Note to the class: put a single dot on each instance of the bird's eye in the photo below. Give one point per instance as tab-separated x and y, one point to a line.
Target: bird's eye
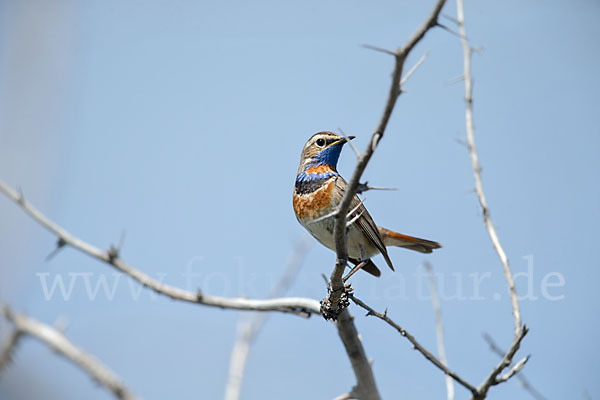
321	142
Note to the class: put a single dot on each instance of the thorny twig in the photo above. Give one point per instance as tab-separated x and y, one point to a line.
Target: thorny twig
58	342
294	305
339	233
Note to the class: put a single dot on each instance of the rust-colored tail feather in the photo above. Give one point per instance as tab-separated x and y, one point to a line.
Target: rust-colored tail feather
391	238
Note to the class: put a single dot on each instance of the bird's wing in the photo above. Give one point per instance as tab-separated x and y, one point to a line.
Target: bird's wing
364	223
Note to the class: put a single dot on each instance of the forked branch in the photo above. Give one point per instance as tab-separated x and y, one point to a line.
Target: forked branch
525	384
494	377
477	393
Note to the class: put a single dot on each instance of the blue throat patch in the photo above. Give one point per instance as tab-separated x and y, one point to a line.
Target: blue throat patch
329	156
309	182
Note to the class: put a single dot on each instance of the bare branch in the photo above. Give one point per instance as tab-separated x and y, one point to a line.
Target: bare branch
414	68
333	306
478	393
477	168
366	387
514	370
248	330
439	328
492	378
383	316
59	343
523	381
294	305
430	22
339	233
520	330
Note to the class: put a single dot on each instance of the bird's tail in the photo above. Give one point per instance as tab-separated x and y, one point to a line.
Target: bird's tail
391	238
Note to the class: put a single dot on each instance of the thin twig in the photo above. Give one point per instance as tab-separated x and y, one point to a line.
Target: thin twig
477	167
383	316
439	328
450	18
59	343
515	369
450	31
349	141
379	49
523	381
363	187
249	329
414	68
454	80
8	348
294	305
492	379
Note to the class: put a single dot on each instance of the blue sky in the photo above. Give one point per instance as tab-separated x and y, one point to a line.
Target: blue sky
181	123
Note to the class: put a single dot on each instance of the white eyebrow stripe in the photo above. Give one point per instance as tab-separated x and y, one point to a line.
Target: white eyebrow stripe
322	136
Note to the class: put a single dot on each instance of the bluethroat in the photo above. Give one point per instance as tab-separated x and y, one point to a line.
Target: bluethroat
318	191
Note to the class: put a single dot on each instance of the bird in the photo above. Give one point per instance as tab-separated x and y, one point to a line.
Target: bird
318	191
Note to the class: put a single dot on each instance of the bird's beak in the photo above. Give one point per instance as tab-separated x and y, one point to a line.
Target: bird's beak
343	140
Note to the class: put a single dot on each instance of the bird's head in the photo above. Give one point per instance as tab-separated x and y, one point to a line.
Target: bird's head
322	149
